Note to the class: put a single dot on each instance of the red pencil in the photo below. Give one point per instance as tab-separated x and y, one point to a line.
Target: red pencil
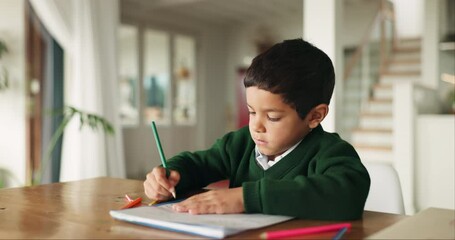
304	231
132	203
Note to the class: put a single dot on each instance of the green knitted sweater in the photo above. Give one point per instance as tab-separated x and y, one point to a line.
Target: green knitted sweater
322	178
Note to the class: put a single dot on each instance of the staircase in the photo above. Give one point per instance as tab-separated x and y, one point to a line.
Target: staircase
373	136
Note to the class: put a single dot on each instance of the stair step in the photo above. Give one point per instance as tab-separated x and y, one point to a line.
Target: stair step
373	137
376	115
409	61
390	79
383	91
411	73
406	49
375	148
406	56
410	42
376	122
380	106
373	131
374	154
407	67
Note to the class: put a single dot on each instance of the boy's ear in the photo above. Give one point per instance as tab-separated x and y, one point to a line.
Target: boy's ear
317	114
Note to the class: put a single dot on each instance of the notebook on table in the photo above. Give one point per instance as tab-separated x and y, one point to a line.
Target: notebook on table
208	225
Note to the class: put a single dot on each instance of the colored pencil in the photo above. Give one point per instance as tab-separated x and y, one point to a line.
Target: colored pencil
153	202
304	231
133	203
340	234
161	152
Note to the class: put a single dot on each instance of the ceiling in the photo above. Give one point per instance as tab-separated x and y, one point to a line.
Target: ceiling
221	12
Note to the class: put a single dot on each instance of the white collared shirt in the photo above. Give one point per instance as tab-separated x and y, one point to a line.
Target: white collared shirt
263	160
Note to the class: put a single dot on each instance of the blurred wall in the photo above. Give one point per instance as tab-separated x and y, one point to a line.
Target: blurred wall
13	99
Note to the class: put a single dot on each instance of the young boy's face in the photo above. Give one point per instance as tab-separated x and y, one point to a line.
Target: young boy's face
274	125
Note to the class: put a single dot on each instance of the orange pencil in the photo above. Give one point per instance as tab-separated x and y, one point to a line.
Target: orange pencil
132	203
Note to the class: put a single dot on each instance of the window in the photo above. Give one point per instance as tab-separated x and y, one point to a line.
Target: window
168	72
185	73
128	74
156	80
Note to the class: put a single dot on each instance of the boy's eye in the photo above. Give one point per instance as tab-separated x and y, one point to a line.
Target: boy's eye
252	113
273	119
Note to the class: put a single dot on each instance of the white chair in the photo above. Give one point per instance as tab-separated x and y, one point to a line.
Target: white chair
385	190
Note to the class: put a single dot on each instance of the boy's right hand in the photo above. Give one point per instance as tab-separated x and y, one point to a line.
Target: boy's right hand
159	187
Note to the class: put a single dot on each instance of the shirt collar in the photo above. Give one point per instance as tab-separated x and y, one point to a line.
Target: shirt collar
263	160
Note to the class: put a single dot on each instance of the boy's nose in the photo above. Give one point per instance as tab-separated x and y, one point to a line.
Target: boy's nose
258	126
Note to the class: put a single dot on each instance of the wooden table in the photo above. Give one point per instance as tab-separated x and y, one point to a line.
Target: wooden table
80	209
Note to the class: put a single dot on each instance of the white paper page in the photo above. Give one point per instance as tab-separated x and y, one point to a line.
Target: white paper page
235	221
220	224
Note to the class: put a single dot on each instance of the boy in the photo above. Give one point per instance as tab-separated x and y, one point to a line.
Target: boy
284	163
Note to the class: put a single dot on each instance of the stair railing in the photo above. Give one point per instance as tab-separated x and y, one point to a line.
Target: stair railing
367	62
385	20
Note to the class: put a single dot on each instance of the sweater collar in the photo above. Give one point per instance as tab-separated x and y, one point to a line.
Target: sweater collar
294	157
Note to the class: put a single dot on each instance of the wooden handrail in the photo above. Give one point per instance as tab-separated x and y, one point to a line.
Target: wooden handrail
387	13
384	13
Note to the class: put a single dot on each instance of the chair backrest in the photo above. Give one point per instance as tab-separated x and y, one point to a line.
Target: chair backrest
385	190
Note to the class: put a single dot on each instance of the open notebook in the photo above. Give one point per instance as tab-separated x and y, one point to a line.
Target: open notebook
209	225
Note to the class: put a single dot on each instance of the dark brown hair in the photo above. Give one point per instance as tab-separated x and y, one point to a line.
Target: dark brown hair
298	71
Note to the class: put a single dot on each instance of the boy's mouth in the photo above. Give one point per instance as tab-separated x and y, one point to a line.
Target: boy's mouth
259	142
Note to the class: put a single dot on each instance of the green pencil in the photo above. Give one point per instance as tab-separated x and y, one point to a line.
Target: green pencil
161	152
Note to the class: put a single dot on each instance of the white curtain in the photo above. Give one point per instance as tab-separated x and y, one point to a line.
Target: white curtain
86	29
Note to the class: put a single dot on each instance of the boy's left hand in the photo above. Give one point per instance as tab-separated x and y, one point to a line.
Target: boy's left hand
220	201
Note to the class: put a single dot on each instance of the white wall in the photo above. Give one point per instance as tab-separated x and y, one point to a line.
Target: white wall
435	161
12	100
409	18
430	41
356	21
327	36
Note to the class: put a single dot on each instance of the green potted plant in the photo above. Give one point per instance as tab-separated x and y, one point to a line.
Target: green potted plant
86	119
93	121
6	174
